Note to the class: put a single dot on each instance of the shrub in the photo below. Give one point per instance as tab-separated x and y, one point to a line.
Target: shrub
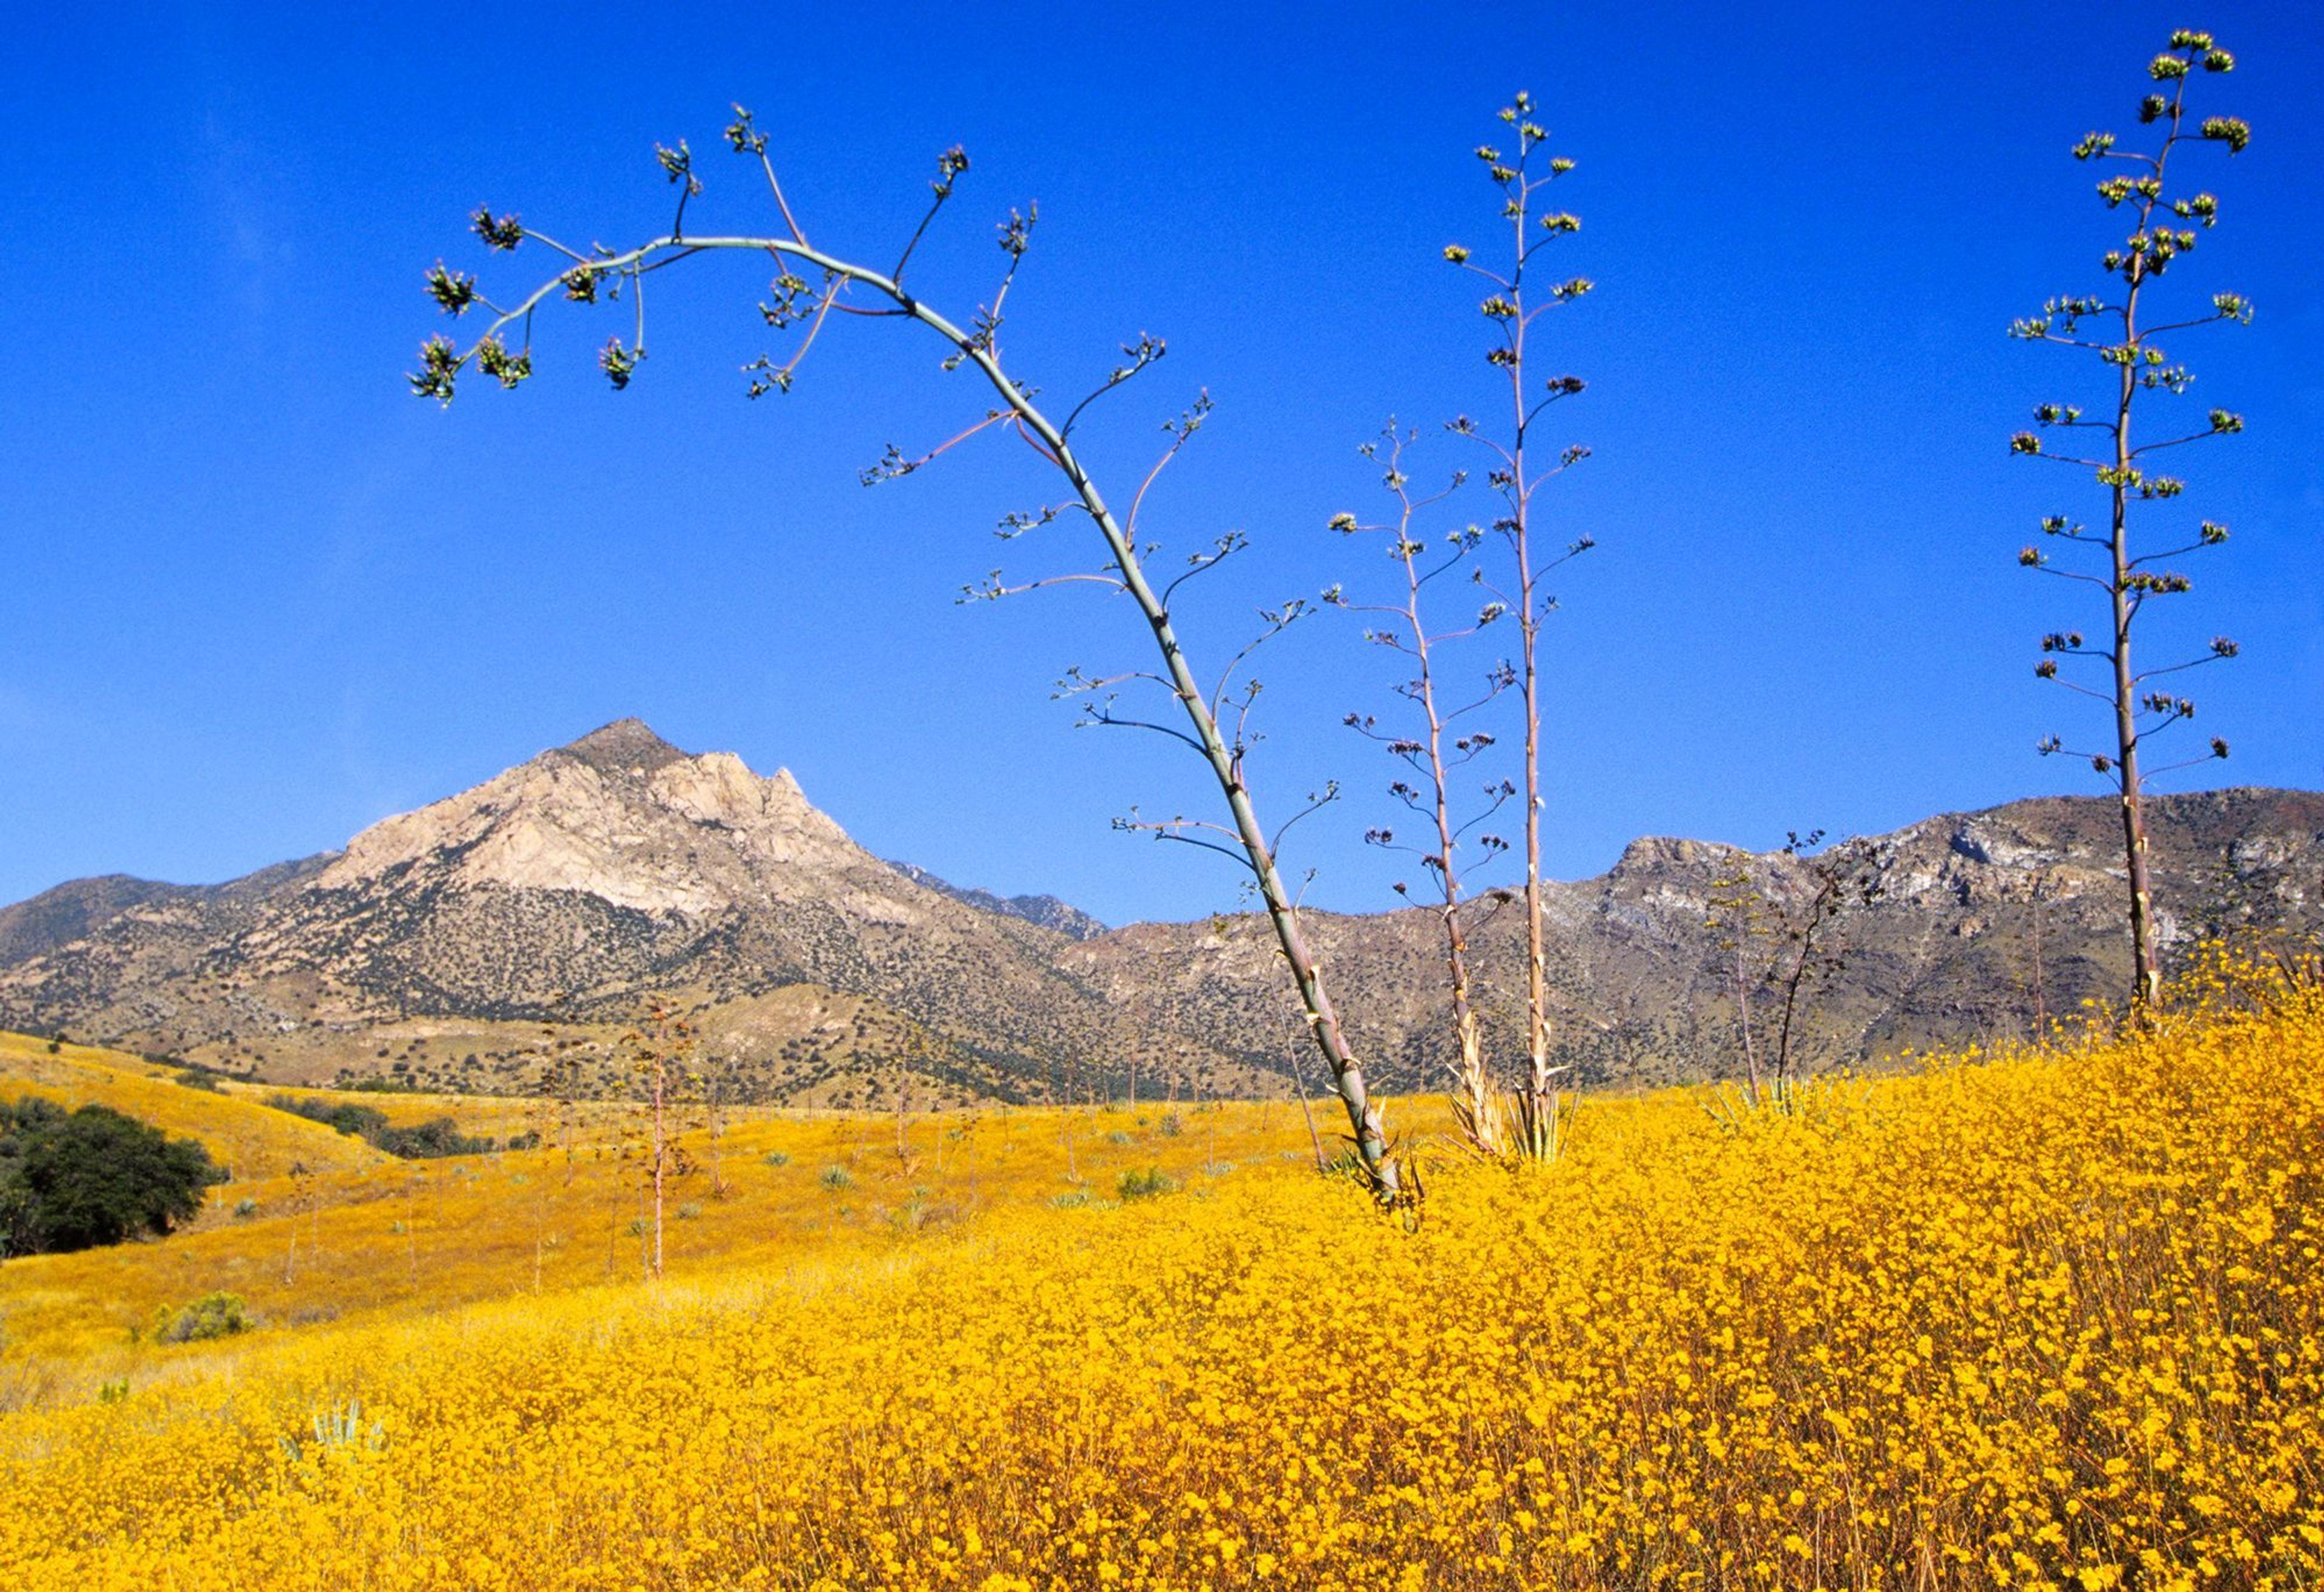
245	1208
1117	1138
776	1158
213	1315
440	1135
1169	1127
1144	1184
690	1212
95	1176
356	1121
838	1177
202	1081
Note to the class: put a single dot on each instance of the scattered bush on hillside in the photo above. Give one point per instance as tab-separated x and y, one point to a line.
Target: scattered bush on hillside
213	1315
359	1121
73	1181
202	1081
424	1141
440	1135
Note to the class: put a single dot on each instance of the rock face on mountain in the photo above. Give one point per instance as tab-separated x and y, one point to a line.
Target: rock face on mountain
570	886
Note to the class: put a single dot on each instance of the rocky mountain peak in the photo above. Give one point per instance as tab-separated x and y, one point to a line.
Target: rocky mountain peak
620	814
1654	854
625	746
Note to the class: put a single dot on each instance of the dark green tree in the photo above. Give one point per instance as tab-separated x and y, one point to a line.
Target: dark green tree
2119	330
94	1176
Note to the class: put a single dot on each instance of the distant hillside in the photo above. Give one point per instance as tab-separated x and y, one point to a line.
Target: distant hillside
435	947
1048	911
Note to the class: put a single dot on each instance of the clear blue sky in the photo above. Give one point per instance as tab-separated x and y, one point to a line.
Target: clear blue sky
257	596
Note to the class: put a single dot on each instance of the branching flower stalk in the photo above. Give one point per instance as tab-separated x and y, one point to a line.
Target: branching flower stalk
1734	911
1786	940
811	283
659	1048
2163	226
1434	749
1511	308
1840	880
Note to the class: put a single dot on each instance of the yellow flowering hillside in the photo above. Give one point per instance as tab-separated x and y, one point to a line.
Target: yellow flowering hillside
241	1134
2039	1320
385	1237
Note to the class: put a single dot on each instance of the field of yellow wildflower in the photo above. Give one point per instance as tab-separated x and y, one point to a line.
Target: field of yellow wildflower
2023	1320
319	1227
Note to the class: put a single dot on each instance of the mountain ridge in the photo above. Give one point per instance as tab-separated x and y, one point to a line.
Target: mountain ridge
565	889
1050	912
